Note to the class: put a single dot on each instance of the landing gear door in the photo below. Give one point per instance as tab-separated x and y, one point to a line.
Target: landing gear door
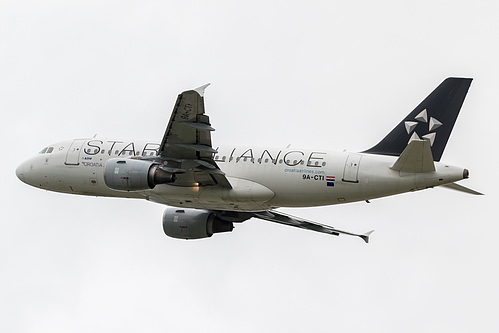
73	155
351	171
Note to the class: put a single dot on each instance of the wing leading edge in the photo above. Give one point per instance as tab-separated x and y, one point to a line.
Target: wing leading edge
277	217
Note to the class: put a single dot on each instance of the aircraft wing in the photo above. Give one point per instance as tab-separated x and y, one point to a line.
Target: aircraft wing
275	216
186	147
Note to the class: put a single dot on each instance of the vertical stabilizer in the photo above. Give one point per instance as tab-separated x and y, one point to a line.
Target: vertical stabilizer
432	120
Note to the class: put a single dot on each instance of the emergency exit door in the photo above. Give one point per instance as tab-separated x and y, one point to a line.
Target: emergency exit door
351	171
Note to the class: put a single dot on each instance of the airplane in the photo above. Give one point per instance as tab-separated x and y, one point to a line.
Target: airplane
209	188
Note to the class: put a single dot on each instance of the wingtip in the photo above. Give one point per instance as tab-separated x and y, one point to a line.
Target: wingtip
200	90
366	235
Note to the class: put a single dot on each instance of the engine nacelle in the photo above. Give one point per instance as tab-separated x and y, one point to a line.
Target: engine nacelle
193	223
134	175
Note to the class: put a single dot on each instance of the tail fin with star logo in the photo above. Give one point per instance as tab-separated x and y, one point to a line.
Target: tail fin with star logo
432	120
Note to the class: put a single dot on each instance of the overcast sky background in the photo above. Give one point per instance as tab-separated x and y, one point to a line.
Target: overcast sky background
315	74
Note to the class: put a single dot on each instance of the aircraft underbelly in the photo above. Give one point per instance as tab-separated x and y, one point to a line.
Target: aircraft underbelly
244	196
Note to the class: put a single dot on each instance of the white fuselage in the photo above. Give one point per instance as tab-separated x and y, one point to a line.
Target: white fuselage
262	178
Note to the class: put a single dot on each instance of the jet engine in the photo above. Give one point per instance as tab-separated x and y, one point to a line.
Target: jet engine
193	223
135	175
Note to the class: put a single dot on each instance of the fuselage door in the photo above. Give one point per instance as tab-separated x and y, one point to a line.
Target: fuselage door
351	171
73	155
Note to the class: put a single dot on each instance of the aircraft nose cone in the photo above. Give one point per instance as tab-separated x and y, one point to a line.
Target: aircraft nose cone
20	171
23	172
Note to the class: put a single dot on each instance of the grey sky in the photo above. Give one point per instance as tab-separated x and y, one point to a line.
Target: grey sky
331	75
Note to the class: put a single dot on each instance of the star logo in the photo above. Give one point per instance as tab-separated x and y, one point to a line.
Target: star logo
422	117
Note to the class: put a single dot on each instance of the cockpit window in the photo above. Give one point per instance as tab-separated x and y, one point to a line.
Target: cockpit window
47	150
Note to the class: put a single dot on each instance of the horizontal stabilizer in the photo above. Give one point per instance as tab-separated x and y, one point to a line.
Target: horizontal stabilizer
456	187
416	157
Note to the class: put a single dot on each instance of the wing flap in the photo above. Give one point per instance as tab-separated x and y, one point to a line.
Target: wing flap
199	126
197	147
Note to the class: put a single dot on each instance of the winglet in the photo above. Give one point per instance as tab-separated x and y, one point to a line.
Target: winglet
201	89
365	236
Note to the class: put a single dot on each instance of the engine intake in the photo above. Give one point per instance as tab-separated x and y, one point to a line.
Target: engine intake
135	175
193	223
